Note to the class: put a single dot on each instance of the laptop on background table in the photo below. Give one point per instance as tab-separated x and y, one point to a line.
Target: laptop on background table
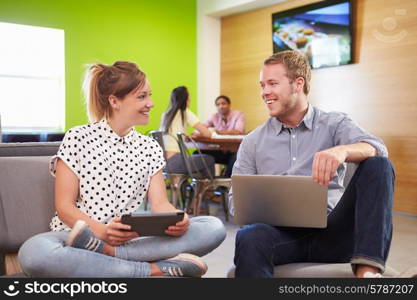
293	201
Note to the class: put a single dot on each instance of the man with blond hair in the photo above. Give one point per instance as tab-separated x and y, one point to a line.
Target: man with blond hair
299	139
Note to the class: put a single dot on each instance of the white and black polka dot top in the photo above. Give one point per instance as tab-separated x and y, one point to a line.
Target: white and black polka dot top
114	172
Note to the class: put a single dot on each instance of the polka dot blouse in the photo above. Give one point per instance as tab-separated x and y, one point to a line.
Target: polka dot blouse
114	172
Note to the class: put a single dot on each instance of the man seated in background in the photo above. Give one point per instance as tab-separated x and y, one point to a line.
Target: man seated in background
225	122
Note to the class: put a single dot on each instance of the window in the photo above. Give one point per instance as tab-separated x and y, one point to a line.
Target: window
32	78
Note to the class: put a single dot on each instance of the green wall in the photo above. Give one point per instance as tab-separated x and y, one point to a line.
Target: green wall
159	35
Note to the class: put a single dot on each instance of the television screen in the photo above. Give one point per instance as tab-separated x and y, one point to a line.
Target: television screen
321	31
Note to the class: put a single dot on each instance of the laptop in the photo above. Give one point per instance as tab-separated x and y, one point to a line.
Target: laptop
292	201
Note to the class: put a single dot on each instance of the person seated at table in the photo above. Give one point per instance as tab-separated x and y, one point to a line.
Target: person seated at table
177	119
227	122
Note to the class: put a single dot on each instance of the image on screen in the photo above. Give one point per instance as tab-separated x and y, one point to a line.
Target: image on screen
323	34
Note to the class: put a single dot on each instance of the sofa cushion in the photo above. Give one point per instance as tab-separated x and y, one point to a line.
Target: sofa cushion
29	149
315	270
26	199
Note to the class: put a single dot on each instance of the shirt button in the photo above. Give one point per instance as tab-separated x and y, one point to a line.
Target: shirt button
293	136
293	158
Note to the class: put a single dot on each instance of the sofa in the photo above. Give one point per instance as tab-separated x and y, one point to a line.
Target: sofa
29	149
26	198
27	206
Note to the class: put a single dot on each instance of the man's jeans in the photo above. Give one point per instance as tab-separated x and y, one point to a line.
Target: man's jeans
359	229
223	157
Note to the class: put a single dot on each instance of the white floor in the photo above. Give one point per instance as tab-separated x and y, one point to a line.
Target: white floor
403	253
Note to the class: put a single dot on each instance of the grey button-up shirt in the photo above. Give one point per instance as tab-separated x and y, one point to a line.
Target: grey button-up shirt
275	149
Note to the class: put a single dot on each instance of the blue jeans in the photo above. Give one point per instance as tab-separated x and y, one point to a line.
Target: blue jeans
222	157
359	229
45	255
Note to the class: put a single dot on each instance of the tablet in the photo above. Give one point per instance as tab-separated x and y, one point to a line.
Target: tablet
152	224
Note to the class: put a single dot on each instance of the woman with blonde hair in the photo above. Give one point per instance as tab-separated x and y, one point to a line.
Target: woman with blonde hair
104	170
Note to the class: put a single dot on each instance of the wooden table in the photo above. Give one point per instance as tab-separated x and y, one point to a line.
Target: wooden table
223	144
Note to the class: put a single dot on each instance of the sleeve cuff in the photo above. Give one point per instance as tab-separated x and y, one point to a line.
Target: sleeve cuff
381	150
158	167
53	163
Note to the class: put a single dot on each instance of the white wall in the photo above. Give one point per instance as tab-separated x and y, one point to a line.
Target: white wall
221	8
208	61
209	13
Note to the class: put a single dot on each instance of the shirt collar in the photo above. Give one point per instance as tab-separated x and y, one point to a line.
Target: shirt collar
113	136
307	121
228	117
308	118
277	125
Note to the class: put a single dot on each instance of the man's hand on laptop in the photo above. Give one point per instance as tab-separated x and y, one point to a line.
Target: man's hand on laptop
326	162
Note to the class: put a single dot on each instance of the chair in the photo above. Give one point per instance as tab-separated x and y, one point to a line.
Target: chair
175	181
200	184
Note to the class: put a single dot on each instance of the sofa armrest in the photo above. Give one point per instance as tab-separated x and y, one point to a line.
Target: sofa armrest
26	200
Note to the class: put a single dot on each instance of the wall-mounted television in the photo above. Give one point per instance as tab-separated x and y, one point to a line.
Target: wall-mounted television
321	31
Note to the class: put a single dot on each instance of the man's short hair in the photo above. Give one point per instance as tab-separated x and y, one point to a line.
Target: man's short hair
296	65
227	99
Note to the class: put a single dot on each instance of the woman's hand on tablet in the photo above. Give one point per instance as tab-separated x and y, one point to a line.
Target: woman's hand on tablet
180	227
117	233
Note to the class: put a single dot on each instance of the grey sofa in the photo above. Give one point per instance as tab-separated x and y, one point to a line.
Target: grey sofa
26	197
28	149
27	206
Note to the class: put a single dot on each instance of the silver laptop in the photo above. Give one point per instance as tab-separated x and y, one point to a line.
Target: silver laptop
293	201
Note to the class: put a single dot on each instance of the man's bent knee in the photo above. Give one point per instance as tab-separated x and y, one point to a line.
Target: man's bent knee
379	165
377	162
257	232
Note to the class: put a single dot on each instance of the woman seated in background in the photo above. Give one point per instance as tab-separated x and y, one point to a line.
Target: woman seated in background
104	170
177	119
